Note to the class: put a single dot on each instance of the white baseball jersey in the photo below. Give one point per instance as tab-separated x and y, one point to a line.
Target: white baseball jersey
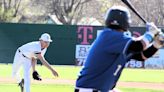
31	49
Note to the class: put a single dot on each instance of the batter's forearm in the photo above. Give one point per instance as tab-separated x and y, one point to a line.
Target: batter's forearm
141	56
150	51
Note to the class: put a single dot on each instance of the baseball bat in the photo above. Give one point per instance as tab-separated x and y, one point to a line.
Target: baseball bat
128	3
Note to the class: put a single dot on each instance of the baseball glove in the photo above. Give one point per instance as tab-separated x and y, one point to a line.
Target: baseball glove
36	76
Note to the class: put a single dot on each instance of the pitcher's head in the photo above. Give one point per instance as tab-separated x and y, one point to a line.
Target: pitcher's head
45	40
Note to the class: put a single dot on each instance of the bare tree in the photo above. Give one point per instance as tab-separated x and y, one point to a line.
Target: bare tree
16	7
151	10
9	9
72	11
160	16
68	11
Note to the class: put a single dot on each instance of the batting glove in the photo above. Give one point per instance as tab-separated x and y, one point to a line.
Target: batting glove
159	41
152	29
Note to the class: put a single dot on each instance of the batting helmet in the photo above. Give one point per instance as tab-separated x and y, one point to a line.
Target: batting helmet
118	17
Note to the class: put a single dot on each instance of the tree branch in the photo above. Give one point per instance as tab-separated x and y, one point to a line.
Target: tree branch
17	8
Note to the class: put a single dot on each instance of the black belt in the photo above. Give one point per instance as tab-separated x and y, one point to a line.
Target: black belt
94	90
22	53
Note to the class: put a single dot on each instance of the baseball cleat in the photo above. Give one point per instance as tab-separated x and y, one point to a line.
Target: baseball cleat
21	84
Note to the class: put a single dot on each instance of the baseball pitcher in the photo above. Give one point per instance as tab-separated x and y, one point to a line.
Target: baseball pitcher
26	56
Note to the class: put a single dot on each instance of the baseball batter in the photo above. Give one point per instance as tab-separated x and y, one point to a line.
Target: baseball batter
26	56
112	49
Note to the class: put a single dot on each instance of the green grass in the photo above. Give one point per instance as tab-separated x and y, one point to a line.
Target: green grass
142	75
38	88
71	72
65	72
52	88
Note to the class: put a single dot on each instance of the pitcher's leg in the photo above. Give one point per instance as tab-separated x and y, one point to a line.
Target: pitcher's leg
17	63
27	66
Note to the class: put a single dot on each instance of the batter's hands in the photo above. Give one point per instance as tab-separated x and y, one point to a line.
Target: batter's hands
55	73
159	40
36	76
152	29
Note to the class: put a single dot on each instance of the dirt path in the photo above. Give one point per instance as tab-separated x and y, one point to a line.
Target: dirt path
159	86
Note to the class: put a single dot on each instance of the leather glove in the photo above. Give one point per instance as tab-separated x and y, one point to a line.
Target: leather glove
159	40
36	76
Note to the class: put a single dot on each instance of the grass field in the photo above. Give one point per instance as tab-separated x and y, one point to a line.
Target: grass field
71	72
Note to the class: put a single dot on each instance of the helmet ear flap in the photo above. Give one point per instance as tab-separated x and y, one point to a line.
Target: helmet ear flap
118	18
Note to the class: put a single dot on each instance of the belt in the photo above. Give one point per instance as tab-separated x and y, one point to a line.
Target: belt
22	53
78	90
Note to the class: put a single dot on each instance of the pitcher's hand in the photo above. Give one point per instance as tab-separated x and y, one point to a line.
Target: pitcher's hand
55	73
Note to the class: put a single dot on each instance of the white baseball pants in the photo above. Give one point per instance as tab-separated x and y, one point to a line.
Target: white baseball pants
20	60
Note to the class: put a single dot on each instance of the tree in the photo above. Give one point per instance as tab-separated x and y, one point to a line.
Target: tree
9	9
72	11
68	11
151	10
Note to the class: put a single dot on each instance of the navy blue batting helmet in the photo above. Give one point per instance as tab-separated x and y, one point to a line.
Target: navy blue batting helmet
118	17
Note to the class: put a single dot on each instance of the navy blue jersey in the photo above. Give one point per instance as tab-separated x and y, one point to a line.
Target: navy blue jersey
105	61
